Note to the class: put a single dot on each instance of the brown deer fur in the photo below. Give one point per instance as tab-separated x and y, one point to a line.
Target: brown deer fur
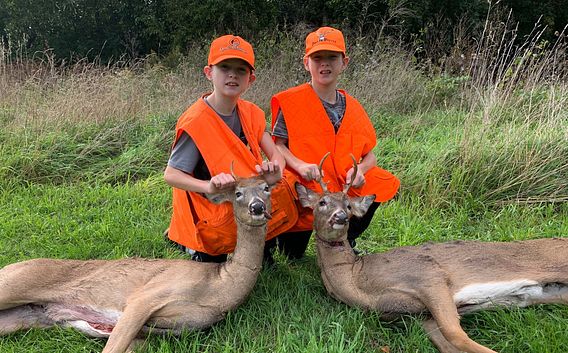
123	299
443	280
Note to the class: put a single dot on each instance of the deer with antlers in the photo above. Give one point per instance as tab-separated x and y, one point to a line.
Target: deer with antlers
443	280
124	299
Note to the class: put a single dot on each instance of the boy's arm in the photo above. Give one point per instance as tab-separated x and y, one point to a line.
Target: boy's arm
272	170
307	171
183	160
181	180
270	150
367	162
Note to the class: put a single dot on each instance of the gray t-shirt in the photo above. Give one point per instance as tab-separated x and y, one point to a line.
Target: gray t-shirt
185	155
335	113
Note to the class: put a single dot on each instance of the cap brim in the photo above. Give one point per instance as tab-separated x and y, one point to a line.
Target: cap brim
321	47
230	56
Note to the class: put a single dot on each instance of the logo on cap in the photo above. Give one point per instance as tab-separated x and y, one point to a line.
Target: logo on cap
322	37
325	38
228	47
234	44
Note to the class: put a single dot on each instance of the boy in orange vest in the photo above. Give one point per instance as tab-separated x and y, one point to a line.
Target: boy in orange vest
217	129
314	118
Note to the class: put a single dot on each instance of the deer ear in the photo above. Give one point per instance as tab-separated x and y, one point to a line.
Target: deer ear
360	205
307	197
218	198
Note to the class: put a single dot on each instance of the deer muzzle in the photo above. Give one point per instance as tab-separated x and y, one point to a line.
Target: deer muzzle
339	219
257	208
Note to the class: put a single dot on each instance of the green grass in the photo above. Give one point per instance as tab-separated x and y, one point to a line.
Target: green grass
289	310
110	152
82	151
114	204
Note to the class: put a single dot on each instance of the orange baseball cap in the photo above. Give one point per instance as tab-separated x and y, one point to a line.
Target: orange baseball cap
325	38
229	47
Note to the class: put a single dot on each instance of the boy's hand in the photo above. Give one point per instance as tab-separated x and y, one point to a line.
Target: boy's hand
359	178
220	182
309	172
270	171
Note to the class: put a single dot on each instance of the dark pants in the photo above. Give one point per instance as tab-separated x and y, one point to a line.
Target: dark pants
294	244
204	257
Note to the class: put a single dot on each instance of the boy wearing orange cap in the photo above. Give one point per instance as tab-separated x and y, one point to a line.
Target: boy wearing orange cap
314	118
216	130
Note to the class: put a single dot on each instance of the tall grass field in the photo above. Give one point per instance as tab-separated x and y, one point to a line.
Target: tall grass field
480	145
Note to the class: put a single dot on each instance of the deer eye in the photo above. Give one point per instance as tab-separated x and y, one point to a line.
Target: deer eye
349	207
238	194
322	203
266	188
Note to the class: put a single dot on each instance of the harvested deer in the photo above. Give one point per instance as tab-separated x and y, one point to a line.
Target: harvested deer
443	280
123	299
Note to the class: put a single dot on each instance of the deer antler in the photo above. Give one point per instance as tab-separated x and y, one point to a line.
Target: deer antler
321	182
233	171
347	186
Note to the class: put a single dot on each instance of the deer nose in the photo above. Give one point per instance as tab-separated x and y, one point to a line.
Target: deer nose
257	207
340	217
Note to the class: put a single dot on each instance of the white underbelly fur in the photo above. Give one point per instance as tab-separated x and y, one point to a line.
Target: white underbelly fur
520	293
79	317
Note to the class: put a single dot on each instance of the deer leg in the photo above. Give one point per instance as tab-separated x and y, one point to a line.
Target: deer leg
124	333
133	318
444	311
553	292
137	344
23	317
434	334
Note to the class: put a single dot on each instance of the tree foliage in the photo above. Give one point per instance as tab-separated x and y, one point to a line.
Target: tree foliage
109	29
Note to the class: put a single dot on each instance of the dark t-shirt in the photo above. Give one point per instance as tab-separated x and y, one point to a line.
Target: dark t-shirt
185	155
335	113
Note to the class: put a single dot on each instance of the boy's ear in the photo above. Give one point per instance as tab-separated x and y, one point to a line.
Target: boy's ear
306	63
252	77
345	61
207	71
360	205
307	197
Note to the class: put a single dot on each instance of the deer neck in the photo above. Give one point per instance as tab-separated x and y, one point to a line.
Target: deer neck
245	264
335	255
340	269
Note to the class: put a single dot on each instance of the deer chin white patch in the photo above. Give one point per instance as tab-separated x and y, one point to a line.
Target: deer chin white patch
258	217
338	226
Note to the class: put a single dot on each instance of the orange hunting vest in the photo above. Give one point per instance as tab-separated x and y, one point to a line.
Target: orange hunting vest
196	222
311	135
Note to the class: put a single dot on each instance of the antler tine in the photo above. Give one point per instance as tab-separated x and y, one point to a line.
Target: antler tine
347	186
321	182
233	171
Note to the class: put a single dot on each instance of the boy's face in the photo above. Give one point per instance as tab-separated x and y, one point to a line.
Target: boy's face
325	66
231	77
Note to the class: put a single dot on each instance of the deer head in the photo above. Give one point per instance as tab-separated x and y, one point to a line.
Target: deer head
250	198
333	210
